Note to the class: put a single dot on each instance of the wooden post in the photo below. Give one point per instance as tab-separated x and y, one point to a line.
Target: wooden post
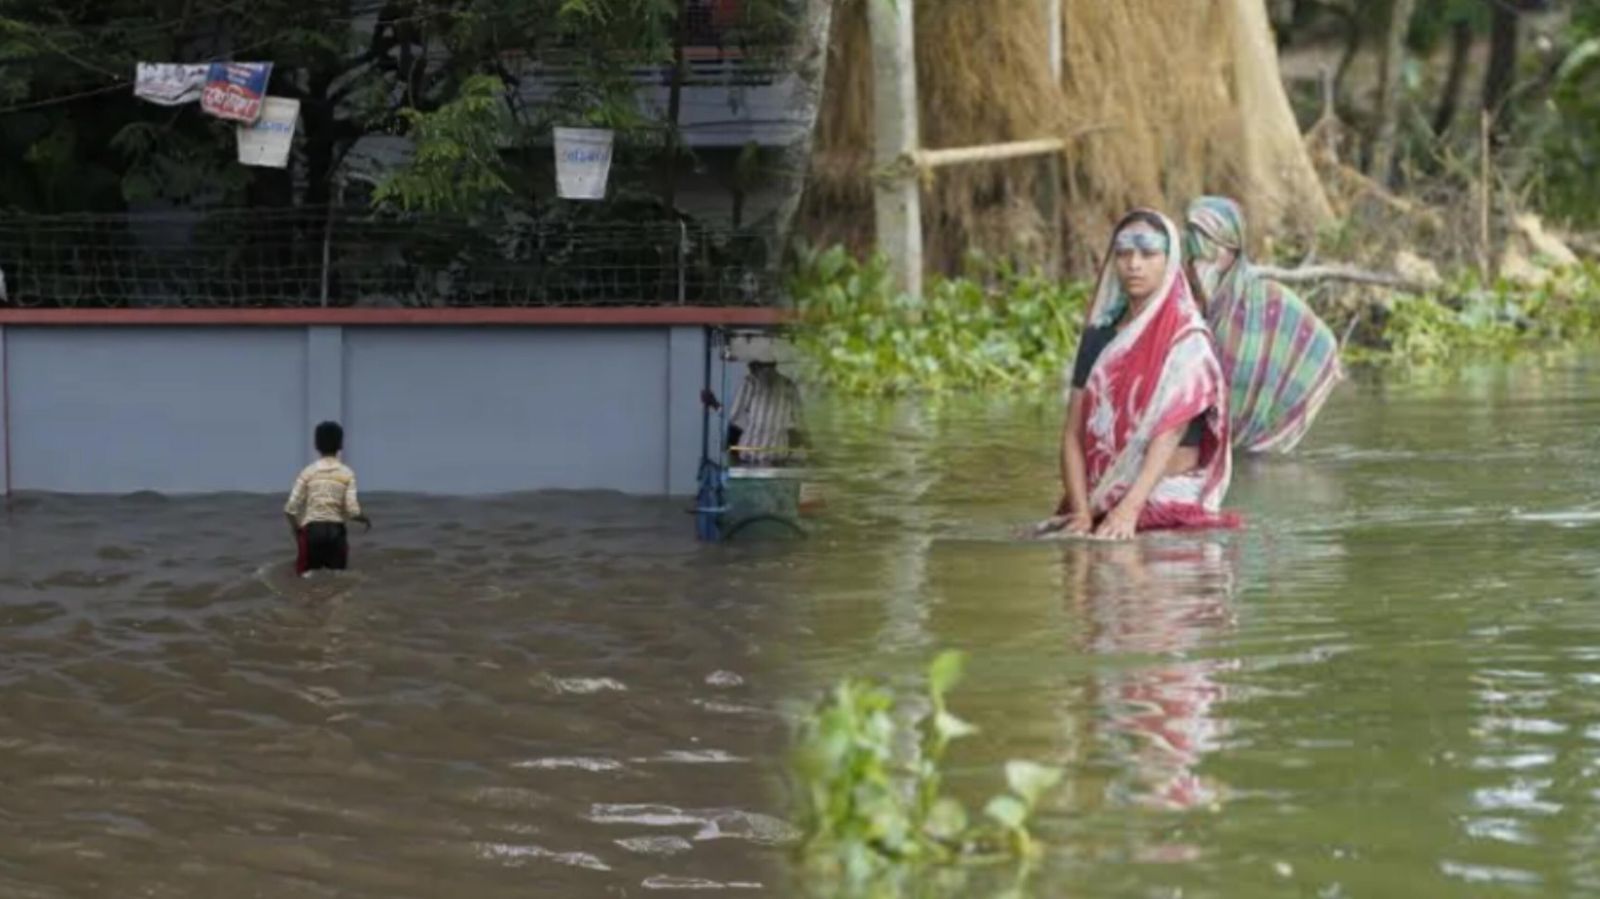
1050	168
897	205
1055	35
327	236
1485	195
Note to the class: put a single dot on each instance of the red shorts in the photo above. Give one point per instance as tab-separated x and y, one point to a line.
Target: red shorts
324	545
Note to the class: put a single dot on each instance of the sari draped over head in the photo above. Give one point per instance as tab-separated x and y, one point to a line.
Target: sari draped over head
1156	375
1281	361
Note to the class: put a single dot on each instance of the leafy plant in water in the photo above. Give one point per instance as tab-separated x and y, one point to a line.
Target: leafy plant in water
869	778
1472	318
997	326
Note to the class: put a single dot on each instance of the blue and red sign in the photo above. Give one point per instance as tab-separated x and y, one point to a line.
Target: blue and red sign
234	90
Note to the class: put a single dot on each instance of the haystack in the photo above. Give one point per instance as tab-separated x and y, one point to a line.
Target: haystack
1156	102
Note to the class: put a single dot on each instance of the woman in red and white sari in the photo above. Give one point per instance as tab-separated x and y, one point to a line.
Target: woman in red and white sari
1145	445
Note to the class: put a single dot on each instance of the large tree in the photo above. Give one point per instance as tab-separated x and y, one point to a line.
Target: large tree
72	137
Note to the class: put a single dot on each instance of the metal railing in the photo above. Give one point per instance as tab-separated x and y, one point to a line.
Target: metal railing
309	257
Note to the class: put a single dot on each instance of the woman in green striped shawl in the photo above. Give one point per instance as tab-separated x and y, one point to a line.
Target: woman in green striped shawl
1280	360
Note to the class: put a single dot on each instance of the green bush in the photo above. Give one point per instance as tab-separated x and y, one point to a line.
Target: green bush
1472	319
995	327
1570	182
869	781
1001	328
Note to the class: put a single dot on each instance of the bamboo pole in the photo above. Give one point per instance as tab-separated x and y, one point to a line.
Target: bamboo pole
933	159
1050	167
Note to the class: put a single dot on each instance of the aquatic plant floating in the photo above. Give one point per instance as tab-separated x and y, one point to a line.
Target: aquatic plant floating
868	777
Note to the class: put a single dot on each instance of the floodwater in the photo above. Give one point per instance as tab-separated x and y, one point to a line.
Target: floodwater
1387	685
530	696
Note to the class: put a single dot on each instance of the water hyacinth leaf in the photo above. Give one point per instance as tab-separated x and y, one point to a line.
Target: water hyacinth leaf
949	727
867	808
948	820
830	263
1007	811
945	672
1031	780
889	826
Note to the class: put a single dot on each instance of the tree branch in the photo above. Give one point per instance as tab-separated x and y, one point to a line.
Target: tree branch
1339	272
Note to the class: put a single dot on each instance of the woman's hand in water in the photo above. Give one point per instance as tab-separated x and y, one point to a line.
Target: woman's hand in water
1044	528
1071	524
1119	525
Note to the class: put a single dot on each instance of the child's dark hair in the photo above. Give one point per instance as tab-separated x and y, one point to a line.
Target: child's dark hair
329	438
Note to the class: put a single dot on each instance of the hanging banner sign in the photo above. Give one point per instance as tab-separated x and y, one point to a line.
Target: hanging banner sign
267	142
236	90
169	84
583	162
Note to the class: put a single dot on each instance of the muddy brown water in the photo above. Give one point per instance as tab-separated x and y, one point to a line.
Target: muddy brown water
1388	684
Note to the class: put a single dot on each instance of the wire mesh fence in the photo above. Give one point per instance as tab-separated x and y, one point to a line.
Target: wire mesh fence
310	257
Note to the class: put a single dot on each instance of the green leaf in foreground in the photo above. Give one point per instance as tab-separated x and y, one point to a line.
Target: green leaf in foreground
1030	780
949	727
1008	811
868	778
945	672
948	820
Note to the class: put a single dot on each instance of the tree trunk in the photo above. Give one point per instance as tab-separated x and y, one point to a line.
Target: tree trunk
809	62
1502	66
1282	16
1450	100
1352	46
321	138
1382	164
1283	185
675	104
897	196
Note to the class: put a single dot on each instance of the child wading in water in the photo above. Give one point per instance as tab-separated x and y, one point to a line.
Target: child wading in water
323	499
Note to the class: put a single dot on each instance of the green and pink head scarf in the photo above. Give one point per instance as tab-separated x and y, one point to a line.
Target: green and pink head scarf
1280	360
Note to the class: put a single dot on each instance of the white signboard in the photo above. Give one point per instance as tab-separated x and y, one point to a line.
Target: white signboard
267	142
583	160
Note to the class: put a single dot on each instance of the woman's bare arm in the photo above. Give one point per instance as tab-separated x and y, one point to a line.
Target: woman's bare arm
1124	519
1073	474
1076	517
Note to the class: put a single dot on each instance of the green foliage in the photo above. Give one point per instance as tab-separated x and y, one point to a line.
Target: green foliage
416	64
996	327
615	35
456	166
869	780
1432	20
1571	145
174	165
1471	319
1001	329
